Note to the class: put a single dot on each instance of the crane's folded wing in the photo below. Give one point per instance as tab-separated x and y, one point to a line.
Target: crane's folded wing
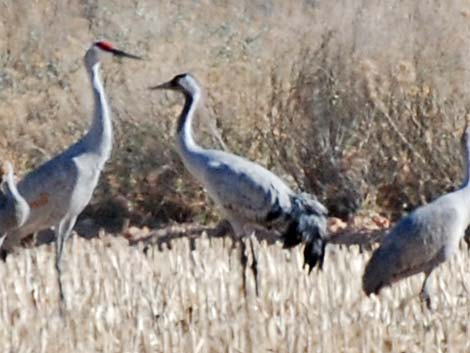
246	188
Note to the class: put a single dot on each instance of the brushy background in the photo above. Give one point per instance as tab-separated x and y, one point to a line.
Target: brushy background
359	102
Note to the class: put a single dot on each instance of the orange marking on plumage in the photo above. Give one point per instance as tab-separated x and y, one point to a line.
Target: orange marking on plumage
42	200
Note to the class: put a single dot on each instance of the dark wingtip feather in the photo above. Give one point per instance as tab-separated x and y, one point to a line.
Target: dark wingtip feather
314	254
291	237
308	226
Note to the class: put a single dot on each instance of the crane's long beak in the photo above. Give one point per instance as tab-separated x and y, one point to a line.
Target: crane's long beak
123	54
166	85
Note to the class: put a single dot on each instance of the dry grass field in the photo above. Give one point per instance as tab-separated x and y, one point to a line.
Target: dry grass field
361	102
178	300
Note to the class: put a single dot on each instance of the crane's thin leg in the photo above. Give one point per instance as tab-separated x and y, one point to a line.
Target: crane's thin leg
254	266
63	230
3	252
239	235
424	294
243	261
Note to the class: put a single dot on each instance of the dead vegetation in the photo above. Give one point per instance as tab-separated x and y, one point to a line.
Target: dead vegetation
183	300
361	103
363	108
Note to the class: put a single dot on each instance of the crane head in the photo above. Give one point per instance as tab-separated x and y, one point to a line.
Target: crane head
184	83
109	48
467	121
465	139
92	56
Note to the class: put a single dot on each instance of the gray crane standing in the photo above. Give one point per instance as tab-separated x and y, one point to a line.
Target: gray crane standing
424	239
247	193
58	190
14	210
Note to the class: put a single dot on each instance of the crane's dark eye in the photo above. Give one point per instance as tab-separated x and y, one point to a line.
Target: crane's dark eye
179	77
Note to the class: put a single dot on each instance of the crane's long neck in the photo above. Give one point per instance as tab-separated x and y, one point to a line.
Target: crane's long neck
466	162
464	190
187	147
99	137
15	210
20	206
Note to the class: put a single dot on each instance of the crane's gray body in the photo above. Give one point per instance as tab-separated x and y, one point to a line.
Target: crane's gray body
247	193
14	210
422	240
58	190
62	187
244	191
419	242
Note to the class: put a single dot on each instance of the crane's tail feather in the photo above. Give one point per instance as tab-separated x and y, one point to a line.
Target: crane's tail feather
308	226
291	236
314	253
312	227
